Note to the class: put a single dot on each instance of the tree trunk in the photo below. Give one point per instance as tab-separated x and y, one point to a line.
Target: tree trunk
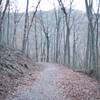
97	35
47	48
14	37
25	29
36	48
2	17
8	25
74	51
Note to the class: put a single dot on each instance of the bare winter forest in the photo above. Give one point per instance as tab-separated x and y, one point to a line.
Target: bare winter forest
49	54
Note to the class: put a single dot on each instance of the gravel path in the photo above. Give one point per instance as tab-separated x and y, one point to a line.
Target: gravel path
58	83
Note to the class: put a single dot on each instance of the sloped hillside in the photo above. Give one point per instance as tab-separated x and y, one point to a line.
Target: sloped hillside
13	66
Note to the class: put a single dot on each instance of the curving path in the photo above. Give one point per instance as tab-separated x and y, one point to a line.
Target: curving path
58	83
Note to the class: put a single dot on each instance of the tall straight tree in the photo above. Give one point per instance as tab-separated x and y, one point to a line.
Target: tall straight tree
15	26
67	40
90	44
97	44
25	28
92	40
2	14
97	39
8	24
46	33
74	46
58	20
36	41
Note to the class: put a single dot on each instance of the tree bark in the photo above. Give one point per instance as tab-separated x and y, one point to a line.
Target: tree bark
36	43
47	48
25	29
2	17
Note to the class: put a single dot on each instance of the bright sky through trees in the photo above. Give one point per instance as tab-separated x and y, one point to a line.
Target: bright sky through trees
49	4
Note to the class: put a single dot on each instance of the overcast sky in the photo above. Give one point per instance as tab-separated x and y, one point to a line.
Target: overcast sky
48	4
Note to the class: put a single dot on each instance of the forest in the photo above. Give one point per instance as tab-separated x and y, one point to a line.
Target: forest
63	35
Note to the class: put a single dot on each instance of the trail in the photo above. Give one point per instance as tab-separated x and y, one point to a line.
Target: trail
52	85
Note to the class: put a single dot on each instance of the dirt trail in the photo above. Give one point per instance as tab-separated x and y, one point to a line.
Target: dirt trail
58	83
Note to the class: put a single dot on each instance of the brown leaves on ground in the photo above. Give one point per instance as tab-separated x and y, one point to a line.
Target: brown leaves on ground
62	82
76	86
13	67
18	72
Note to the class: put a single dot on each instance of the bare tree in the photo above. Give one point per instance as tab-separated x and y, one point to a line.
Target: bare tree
74	46
36	41
2	14
92	42
75	38
28	27
46	32
67	41
44	52
58	20
15	26
8	24
25	28
97	40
